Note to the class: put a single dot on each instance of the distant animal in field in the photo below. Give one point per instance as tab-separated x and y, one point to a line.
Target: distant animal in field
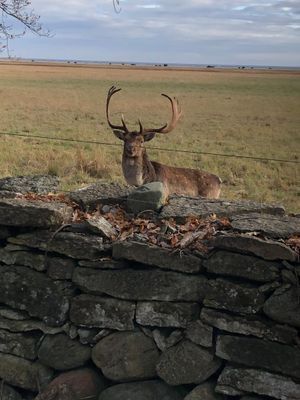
138	169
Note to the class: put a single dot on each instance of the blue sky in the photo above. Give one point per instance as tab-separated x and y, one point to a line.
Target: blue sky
172	31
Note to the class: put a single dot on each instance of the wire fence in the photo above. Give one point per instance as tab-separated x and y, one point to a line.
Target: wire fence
183	151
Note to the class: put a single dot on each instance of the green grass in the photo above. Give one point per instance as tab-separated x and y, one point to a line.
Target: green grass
234	112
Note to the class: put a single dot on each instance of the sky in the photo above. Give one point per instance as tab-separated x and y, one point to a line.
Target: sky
230	32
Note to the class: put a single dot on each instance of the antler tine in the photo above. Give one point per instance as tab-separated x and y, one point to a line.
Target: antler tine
110	93
168	127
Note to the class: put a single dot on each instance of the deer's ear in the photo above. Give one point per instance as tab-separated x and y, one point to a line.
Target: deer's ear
149	136
119	134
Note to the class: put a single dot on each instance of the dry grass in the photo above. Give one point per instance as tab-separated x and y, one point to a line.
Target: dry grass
253	113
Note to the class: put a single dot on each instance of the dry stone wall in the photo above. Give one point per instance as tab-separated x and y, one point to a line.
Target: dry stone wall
84	317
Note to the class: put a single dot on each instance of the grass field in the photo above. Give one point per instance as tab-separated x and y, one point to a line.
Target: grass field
245	112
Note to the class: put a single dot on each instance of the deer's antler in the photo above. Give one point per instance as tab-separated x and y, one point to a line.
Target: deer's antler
122	127
168	127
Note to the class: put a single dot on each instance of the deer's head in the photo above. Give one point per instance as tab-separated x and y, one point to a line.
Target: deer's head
134	140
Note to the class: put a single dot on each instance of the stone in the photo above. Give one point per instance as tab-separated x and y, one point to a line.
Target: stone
60	268
242	266
182	207
165	339
126	356
102	312
283	306
156	256
99	225
145	390
9	393
74	245
84	383
200	333
26	258
166	314
249	326
150	196
267	249
61	353
25	374
37	214
40	184
259	353
205	391
104	263
186	363
4	232
131	284
273	226
19	344
240	298
25	289
258	382
16	315
99	194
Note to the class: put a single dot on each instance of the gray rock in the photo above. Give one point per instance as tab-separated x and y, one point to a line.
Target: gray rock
23	373
240	298
258	382
249	326
126	356
62	353
99	225
19	344
37	214
267	249
147	390
259	353
4	232
156	256
274	226
200	333
150	196
242	266
164	339
87	336
181	207
100	194
187	363
166	314
15	315
41	184
74	245
130	284
8	393
205	391
283	306
101	312
25	289
104	263
26	258
60	268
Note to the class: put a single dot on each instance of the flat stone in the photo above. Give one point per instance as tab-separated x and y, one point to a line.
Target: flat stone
98	224
147	390
26	258
9	393
104	263
90	197
186	363
126	356
60	268
249	326
283	306
166	314
267	249
25	289
25	374
61	353
240	298
205	391
40	184
131	284
156	256
273	226
259	353
150	196
200	333
164	339
74	245
242	266
258	382
102	312
4	232
19	344
83	383
181	207
37	214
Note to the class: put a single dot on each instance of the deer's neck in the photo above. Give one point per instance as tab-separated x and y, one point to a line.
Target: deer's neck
138	170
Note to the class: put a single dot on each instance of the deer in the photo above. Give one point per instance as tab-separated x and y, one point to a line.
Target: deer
138	169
